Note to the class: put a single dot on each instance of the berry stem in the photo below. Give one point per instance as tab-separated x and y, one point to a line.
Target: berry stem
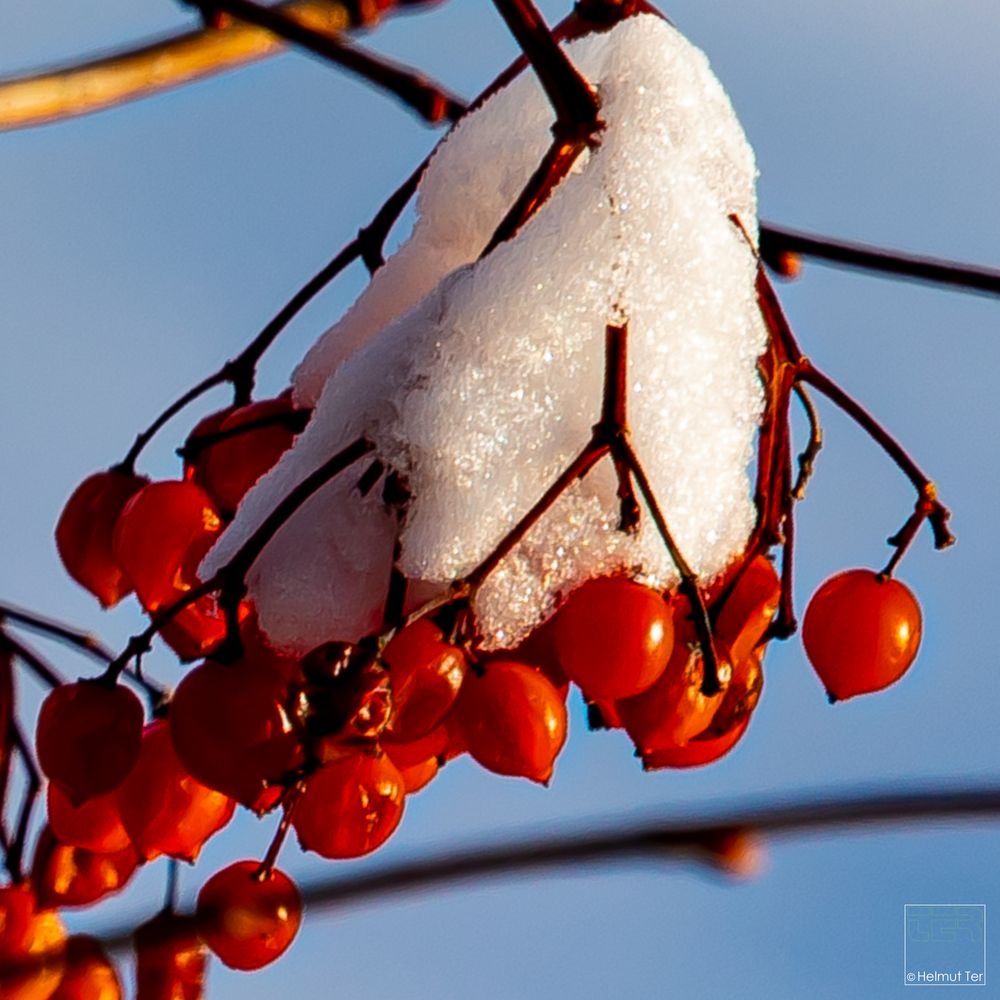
289	803
428	99
240	372
807	457
230	581
171	889
785	624
76	639
688	581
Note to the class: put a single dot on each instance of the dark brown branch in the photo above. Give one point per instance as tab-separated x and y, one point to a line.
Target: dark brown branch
573	99
775	240
83	641
15	853
430	100
38	666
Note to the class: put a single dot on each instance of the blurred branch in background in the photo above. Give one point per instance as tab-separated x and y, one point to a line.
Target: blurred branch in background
729	842
70	91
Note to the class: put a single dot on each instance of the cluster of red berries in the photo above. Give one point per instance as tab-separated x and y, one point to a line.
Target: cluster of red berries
339	738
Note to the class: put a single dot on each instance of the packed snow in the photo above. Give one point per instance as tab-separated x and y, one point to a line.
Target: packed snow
479	380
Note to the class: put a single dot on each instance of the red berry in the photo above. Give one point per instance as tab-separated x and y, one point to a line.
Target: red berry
194	450
170	959
228	468
230	730
248	921
674	710
434	744
94	826
701	750
85	529
614	637
741	696
162	535
512	720
418	776
861	632
350	806
163	808
749	607
88	737
426	674
67	876
89	973
31	934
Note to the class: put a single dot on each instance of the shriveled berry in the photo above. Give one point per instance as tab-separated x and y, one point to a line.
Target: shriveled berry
171	959
89	973
94	826
67	876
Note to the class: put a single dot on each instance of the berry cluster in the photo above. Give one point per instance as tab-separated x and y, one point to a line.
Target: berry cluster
334	741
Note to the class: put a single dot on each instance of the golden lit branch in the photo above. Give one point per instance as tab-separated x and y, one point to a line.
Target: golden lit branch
169	62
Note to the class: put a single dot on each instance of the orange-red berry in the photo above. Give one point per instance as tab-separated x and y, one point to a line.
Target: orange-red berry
614	637
248	921
861	632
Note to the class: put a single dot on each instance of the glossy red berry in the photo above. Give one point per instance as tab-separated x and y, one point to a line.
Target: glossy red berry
426	673
94	826
674	710
703	749
420	775
247	921
350	806
164	809
614	637
161	537
170	959
741	696
229	467
861	632
89	973
749	607
434	744
67	876
231	732
88	737
85	529
512	720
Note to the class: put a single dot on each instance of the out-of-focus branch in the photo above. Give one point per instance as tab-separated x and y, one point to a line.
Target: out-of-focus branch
775	241
69	91
715	840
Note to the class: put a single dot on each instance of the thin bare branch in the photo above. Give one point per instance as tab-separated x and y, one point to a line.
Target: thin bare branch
79	89
428	99
775	240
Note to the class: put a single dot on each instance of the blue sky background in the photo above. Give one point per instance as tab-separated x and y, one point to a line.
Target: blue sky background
141	247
